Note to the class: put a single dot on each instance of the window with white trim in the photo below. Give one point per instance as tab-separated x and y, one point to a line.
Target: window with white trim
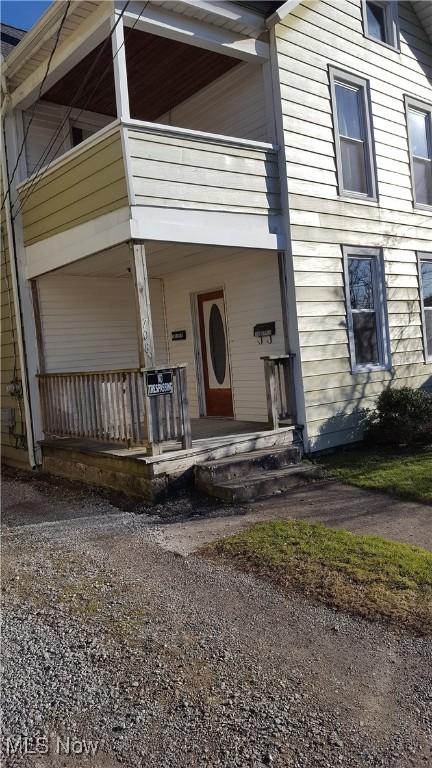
419	119
381	22
366	316
425	270
353	135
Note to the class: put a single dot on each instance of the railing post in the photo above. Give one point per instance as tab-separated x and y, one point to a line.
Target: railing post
184	409
270	381
153	428
290	385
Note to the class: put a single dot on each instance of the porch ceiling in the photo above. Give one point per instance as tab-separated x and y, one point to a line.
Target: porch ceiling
162	259
161	74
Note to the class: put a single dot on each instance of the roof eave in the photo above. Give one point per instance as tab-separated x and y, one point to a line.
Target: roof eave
35	37
281	12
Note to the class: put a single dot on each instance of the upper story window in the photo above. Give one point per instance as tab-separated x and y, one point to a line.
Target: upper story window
365	299
425	269
381	21
353	136
419	118
79	134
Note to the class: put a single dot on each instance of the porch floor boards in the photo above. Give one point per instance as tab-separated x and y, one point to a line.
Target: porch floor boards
202	430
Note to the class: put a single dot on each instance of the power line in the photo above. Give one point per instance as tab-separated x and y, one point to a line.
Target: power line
54	138
51	143
37	100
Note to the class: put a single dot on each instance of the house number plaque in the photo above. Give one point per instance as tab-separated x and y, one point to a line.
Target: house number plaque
160	383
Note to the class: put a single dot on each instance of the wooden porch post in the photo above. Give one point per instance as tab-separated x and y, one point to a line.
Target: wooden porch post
143	310
293	382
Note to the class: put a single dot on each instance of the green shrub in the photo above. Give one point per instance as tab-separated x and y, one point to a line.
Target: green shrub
401	417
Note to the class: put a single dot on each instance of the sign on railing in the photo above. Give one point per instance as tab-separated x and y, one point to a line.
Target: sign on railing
160	383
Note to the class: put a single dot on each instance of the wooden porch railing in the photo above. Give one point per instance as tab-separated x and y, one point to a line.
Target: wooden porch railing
115	406
279	379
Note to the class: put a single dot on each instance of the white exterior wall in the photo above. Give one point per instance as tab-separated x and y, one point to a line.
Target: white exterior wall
89	323
252	295
46	121
315	34
234	105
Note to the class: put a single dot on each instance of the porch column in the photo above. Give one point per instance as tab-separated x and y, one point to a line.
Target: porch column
142	300
291	332
120	70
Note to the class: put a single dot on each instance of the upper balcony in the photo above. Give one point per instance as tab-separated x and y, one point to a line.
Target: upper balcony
170	138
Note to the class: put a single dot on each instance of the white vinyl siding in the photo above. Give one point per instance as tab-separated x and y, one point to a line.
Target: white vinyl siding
157	305
252	295
234	105
314	36
89	323
177	171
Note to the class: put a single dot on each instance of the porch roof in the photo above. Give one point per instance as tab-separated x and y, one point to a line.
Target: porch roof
87	23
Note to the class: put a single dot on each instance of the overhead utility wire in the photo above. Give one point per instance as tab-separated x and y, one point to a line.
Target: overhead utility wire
21	150
45	154
53	140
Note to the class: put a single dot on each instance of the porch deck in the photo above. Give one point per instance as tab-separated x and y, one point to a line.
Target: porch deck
204	432
134	471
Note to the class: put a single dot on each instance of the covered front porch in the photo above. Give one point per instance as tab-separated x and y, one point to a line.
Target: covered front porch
164	349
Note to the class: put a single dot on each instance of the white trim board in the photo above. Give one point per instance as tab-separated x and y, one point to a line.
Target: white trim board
77	242
158	20
180	225
204	136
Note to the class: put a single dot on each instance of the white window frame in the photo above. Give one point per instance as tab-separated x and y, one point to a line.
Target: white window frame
420	106
391	23
421	257
379	293
347	78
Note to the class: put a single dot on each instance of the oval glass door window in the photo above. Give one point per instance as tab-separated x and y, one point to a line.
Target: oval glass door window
217	344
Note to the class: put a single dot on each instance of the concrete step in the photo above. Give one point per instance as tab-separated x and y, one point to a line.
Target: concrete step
245	464
263	484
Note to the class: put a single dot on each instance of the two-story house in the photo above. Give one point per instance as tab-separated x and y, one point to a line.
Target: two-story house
217	229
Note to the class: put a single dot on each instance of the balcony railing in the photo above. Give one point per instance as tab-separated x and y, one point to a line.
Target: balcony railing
189	179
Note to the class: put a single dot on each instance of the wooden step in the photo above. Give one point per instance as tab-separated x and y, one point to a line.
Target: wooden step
263	484
245	464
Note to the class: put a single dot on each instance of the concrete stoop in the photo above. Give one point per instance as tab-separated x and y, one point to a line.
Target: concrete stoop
255	475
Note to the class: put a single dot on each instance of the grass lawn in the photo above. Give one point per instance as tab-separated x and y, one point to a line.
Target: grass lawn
404	474
365	575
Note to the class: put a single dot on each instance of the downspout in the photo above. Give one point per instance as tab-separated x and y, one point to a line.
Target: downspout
16	290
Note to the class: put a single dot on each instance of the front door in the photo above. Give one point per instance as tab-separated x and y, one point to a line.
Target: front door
214	353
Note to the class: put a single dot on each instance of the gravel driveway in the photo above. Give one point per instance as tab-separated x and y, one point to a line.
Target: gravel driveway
167	660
